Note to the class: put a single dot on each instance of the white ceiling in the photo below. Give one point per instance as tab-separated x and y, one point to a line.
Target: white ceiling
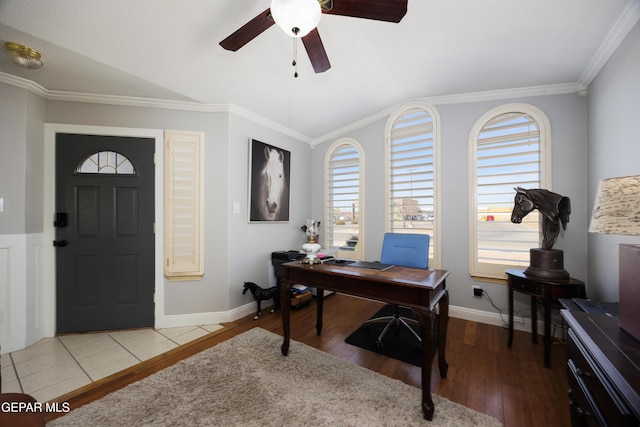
168	49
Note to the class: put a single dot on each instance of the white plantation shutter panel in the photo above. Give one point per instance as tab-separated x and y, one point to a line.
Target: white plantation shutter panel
411	175
509	153
343	200
184	209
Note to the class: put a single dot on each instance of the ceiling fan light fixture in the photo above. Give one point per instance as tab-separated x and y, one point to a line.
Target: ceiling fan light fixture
296	17
24	56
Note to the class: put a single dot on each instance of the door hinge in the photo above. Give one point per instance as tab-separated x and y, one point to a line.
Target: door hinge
154	228
154	158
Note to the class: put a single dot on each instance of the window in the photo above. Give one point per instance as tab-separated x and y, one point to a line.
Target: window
508	148
106	162
343	205
184	205
412	174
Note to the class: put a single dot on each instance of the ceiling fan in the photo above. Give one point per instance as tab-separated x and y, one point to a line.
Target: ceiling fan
379	10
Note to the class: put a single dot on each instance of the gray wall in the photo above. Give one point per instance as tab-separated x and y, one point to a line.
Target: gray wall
614	150
21	160
567	114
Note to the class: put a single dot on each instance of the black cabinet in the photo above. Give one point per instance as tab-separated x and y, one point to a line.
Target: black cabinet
603	369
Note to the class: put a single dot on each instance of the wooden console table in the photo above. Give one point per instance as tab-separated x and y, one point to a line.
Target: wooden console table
549	290
419	289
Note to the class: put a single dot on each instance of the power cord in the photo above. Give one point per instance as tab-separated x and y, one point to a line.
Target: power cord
505	323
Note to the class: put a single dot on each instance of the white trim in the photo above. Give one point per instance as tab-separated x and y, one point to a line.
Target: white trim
491	318
616	35
545	172
361	209
214	318
48	252
437	138
493	95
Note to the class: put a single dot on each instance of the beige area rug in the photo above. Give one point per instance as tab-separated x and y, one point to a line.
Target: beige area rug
246	381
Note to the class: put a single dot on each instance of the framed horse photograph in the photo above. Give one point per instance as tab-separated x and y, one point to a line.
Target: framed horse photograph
269	174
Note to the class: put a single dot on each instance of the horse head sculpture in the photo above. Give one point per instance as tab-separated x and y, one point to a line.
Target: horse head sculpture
554	208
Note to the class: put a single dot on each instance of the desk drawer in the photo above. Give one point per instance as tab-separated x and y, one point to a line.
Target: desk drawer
596	397
527	287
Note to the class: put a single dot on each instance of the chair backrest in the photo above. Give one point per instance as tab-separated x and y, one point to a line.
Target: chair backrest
407	250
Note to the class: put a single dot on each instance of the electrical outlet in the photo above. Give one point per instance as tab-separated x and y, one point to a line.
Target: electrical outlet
477	291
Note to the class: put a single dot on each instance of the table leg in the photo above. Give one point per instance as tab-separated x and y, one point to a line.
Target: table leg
443	305
547	333
510	340
534	319
427	319
319	307
285	302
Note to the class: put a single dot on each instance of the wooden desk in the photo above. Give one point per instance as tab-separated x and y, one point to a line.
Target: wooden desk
549	290
418	289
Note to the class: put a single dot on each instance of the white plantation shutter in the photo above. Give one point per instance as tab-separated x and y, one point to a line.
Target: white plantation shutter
343	223
184	209
508	152
411	205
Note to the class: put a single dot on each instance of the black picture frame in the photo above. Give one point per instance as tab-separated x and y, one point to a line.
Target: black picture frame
269	179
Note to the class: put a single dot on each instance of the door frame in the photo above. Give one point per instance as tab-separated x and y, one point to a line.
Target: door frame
48	303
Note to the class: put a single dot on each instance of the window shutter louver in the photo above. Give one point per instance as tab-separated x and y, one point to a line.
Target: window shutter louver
508	154
184	209
343	200
411	175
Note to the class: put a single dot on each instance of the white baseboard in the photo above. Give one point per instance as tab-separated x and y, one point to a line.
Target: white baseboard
490	318
213	318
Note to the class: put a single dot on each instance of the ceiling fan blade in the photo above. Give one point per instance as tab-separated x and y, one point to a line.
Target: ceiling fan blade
315	49
379	10
248	31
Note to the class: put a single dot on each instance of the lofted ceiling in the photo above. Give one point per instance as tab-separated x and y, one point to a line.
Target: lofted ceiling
169	50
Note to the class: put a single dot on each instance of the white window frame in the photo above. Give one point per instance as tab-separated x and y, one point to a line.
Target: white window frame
359	252
497	270
436	239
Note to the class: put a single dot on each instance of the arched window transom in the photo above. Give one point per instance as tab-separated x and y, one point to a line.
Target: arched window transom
106	162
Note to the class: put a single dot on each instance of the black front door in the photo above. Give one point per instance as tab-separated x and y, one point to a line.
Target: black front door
104	232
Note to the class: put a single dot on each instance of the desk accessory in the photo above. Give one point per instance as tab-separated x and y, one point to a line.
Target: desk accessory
555	209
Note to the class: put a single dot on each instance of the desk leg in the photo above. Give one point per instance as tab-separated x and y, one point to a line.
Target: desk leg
285	302
443	305
510	340
319	308
534	319
427	319
547	333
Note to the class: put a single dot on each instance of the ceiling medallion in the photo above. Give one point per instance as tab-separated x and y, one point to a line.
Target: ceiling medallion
24	56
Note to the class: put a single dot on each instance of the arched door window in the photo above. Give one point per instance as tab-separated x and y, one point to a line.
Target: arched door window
106	162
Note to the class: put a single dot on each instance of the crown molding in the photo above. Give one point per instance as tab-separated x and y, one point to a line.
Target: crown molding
234	109
618	32
558	89
24	84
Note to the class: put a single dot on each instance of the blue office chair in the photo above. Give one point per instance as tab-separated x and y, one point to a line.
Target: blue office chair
406	250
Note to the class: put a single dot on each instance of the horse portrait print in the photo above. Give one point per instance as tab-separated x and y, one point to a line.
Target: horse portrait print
270	172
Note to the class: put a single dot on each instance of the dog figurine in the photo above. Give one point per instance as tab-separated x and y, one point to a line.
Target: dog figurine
260	294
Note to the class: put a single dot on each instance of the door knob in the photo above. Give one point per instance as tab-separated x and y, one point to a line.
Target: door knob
60	243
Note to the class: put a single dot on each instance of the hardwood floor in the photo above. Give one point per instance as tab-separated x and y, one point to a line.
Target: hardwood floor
511	385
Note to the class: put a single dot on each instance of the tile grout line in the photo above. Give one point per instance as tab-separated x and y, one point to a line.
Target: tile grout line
125	348
15	371
75	359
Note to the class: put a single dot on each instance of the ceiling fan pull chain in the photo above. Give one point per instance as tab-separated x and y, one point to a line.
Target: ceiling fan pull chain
295	57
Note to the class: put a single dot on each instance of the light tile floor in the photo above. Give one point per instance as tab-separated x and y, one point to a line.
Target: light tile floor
55	366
